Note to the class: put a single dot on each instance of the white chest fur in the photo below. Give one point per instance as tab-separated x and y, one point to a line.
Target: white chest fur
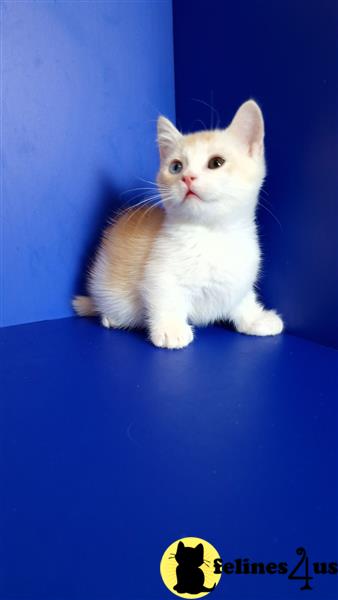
211	269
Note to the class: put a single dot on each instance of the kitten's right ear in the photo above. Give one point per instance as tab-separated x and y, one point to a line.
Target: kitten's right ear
167	136
248	126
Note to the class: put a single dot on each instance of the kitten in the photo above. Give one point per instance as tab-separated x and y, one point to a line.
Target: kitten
190	578
196	260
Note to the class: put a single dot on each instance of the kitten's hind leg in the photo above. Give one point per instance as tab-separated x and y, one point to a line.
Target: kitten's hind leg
252	318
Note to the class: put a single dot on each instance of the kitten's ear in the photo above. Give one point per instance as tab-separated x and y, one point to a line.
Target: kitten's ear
200	549
248	126
167	136
180	547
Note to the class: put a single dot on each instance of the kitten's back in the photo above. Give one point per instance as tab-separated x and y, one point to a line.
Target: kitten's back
117	271
126	244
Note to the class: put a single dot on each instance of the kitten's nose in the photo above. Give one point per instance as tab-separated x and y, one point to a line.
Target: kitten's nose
188	179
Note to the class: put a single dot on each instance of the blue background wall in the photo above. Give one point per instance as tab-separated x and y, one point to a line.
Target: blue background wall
283	54
83	83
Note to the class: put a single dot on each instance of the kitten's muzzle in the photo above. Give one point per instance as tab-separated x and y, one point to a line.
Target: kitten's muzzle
188	180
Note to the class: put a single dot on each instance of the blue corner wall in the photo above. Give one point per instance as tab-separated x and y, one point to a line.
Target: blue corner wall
83	84
285	55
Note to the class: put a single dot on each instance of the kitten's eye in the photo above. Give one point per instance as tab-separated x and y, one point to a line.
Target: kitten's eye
216	162
175	167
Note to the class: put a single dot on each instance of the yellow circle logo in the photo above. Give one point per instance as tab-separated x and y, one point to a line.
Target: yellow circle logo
187	568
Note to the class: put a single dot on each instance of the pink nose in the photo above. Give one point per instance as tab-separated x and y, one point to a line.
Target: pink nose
188	179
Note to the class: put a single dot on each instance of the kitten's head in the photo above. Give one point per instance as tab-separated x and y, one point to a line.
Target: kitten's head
187	556
213	176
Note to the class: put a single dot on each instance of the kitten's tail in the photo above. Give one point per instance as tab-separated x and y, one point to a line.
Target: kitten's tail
84	306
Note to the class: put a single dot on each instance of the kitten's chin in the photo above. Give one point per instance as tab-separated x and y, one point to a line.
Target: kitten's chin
194	211
210	212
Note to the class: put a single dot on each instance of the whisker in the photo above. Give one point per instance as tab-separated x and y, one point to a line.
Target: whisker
151	208
144	192
136	208
135	190
272	214
133	198
262	191
156	185
144	201
147	181
212	108
202	123
266	196
211	112
246	189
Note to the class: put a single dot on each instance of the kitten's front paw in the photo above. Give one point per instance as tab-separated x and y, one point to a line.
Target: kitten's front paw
267	323
172	335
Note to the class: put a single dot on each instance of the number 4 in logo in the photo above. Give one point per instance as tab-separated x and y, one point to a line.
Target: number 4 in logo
306	577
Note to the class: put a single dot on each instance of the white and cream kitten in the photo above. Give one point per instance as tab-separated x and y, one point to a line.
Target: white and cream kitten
196	260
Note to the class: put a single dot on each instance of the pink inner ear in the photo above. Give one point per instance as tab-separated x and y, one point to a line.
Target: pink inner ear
256	148
167	136
248	126
164	149
162	153
165	146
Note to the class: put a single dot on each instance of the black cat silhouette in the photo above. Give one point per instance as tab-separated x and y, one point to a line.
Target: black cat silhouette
190	578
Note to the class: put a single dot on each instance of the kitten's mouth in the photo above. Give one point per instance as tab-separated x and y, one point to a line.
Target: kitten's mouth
190	194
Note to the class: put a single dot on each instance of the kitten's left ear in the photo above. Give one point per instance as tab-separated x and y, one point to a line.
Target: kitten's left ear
180	548
167	136
248	126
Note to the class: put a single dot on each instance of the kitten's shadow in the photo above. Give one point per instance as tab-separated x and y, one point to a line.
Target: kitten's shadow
107	205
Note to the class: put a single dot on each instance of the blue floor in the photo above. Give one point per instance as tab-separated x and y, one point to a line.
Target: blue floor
113	449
